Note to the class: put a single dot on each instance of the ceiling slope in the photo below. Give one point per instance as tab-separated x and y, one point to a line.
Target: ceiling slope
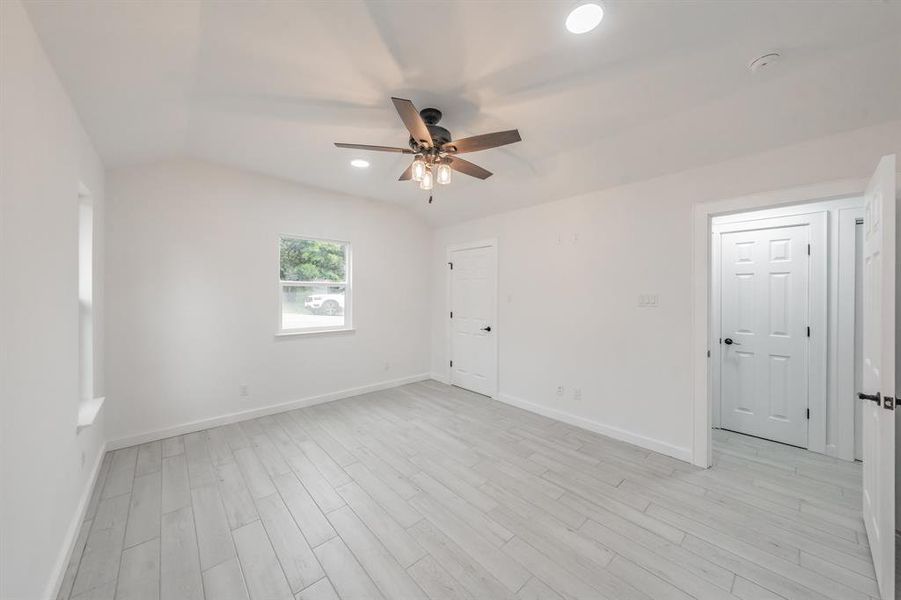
657	88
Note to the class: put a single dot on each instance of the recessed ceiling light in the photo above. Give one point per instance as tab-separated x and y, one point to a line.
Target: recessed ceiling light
584	18
359	163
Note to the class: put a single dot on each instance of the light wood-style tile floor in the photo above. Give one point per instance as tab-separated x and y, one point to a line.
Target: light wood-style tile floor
429	491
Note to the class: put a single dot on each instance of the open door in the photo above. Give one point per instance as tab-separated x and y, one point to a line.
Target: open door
878	393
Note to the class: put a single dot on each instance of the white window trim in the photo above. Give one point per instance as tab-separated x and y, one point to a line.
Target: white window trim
348	289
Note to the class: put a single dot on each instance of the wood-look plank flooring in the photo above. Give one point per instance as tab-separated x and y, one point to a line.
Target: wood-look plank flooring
429	491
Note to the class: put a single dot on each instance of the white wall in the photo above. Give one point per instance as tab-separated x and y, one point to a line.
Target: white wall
45	467
571	271
192	267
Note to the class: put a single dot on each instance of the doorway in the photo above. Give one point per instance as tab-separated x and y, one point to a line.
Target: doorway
812	376
878	394
472	316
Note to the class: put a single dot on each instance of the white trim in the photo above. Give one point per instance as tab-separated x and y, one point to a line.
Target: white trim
700	288
200	425
314	331
448	331
817	382
88	411
62	562
347	283
616	433
845	358
440	378
716	349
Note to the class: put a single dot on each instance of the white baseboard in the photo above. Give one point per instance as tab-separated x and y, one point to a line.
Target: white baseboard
200	425
440	378
62	561
612	432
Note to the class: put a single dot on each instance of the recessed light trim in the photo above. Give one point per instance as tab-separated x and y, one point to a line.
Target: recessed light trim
584	18
359	163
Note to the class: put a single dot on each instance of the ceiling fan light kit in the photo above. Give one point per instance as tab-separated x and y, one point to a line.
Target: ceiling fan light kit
434	149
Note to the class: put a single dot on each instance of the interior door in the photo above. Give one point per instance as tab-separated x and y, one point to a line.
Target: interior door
472	318
879	372
764	312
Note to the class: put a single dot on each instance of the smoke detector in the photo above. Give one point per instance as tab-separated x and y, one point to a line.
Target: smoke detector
764	62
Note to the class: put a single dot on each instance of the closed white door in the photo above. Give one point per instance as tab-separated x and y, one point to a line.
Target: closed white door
472	319
765	351
878	393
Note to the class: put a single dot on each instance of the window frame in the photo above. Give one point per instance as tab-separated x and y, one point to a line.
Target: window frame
347	283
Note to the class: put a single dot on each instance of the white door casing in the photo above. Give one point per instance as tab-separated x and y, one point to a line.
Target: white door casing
473	317
765	319
879	372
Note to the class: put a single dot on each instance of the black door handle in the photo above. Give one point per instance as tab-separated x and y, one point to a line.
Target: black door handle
486	328
730	341
877	397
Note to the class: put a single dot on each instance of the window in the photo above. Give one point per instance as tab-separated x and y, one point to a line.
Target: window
314	285
88	405
85	297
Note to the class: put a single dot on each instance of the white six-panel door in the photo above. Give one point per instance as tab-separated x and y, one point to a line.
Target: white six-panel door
765	316
473	304
878	392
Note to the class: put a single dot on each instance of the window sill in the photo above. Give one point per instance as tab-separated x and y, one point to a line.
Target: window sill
288	334
87	412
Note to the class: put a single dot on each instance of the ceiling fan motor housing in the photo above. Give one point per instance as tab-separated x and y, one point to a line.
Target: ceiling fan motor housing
440	135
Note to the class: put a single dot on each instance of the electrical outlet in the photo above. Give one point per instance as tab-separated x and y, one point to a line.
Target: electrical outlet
577	394
244	392
561	390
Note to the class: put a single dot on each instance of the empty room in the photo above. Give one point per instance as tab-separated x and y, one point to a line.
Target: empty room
449	299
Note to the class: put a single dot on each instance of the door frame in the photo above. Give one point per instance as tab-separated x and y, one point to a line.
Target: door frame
702	214
846	328
817	305
448	333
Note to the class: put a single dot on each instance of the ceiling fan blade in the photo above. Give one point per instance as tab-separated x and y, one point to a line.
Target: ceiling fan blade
483	142
412	121
374	148
467	168
407	174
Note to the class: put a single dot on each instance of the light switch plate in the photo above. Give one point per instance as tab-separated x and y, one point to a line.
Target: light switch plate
649	300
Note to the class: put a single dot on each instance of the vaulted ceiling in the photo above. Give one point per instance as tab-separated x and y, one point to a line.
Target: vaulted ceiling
657	88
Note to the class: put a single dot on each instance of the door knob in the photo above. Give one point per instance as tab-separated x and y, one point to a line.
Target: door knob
486	328
877	397
730	341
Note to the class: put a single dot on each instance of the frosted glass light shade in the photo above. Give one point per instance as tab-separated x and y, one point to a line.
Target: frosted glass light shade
426	183
418	169
444	174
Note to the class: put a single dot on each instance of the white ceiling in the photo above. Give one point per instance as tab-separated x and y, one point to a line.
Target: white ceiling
657	88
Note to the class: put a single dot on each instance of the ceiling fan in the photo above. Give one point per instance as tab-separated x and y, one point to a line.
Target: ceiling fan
434	148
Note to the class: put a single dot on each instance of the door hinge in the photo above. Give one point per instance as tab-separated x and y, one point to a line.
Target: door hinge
452	315
808	413
708	354
808	331
888	403
451	265
451	363
808	249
